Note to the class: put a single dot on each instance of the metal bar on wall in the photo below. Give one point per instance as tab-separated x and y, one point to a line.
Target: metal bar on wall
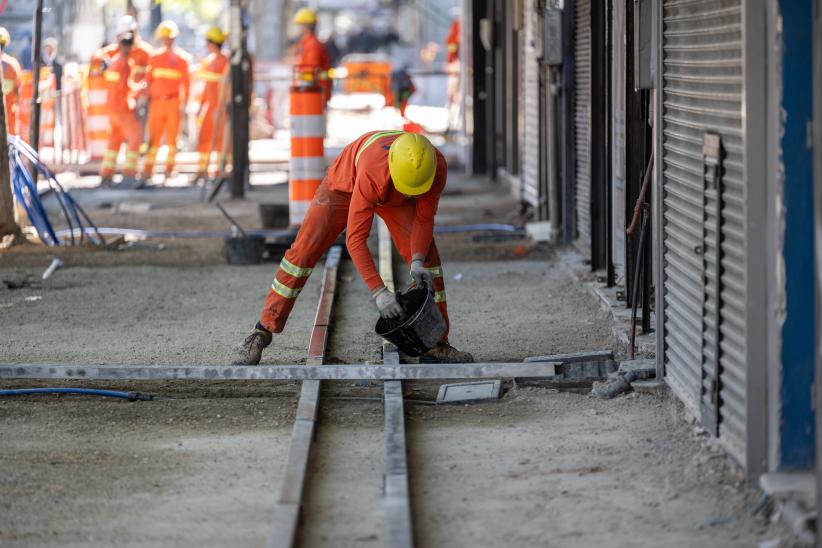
754	116
656	212
817	154
568	133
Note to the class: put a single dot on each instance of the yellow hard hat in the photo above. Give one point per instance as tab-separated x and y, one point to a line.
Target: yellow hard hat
216	35
167	29
5	37
305	16
412	162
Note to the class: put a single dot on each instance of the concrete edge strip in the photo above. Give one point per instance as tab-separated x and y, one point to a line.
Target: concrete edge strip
399	532
297	372
286	516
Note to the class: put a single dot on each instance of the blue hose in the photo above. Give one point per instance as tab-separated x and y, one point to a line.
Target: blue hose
25	190
130	396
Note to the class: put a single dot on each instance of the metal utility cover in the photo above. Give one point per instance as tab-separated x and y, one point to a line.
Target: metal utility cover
469	391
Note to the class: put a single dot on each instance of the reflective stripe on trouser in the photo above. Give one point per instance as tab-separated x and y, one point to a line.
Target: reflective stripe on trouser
325	219
210	138
125	128
163	123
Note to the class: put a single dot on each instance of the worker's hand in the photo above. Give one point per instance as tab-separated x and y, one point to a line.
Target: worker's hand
387	304
421	275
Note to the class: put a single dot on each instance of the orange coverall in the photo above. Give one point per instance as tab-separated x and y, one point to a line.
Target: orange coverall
168	87
125	127
311	54
11	86
357	186
212	112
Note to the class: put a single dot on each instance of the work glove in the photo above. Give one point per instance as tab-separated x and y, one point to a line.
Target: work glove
387	304
421	275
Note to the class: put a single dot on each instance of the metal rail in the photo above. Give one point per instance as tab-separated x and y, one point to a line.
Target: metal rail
281	372
399	532
283	531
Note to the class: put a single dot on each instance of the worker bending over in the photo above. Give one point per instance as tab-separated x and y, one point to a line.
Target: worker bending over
311	53
212	113
11	82
124	126
395	175
167	86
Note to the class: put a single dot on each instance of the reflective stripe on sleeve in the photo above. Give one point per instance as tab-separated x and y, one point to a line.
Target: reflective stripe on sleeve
283	290
170	74
368	142
209	76
112	76
439	297
294	270
435	271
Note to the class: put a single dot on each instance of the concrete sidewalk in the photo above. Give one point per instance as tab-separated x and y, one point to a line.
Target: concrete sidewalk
202	468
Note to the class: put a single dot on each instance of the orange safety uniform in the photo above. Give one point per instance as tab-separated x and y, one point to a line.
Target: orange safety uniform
139	57
168	87
12	73
452	42
213	116
357	186
124	125
311	54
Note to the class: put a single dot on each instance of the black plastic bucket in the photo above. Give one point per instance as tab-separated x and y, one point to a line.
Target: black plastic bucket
244	250
274	215
422	327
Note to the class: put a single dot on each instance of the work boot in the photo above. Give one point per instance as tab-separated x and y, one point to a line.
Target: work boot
445	353
250	352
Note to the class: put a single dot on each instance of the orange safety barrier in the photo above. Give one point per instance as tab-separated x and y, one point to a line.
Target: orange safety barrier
365	75
97	123
48	92
307	162
70	148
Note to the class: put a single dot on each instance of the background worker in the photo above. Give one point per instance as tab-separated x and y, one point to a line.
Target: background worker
167	86
140	52
212	114
395	175
310	52
123	122
11	82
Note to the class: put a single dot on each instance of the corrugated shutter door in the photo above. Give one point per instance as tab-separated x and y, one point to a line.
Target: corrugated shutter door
530	137
582	122
702	80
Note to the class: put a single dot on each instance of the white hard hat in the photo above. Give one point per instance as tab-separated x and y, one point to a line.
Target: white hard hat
126	24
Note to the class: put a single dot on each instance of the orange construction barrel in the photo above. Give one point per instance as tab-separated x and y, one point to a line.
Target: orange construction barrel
307	163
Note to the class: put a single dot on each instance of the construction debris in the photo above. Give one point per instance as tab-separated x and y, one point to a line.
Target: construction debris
463	392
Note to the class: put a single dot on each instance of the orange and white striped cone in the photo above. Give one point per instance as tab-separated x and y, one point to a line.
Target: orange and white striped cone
97	124
307	162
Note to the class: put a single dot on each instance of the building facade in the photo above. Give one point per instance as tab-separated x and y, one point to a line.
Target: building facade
573	102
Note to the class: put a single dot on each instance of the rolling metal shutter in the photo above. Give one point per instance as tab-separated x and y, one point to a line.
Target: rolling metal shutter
582	122
704	283
530	92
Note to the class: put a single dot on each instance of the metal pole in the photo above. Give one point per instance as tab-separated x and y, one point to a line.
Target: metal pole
36	62
156	14
239	100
